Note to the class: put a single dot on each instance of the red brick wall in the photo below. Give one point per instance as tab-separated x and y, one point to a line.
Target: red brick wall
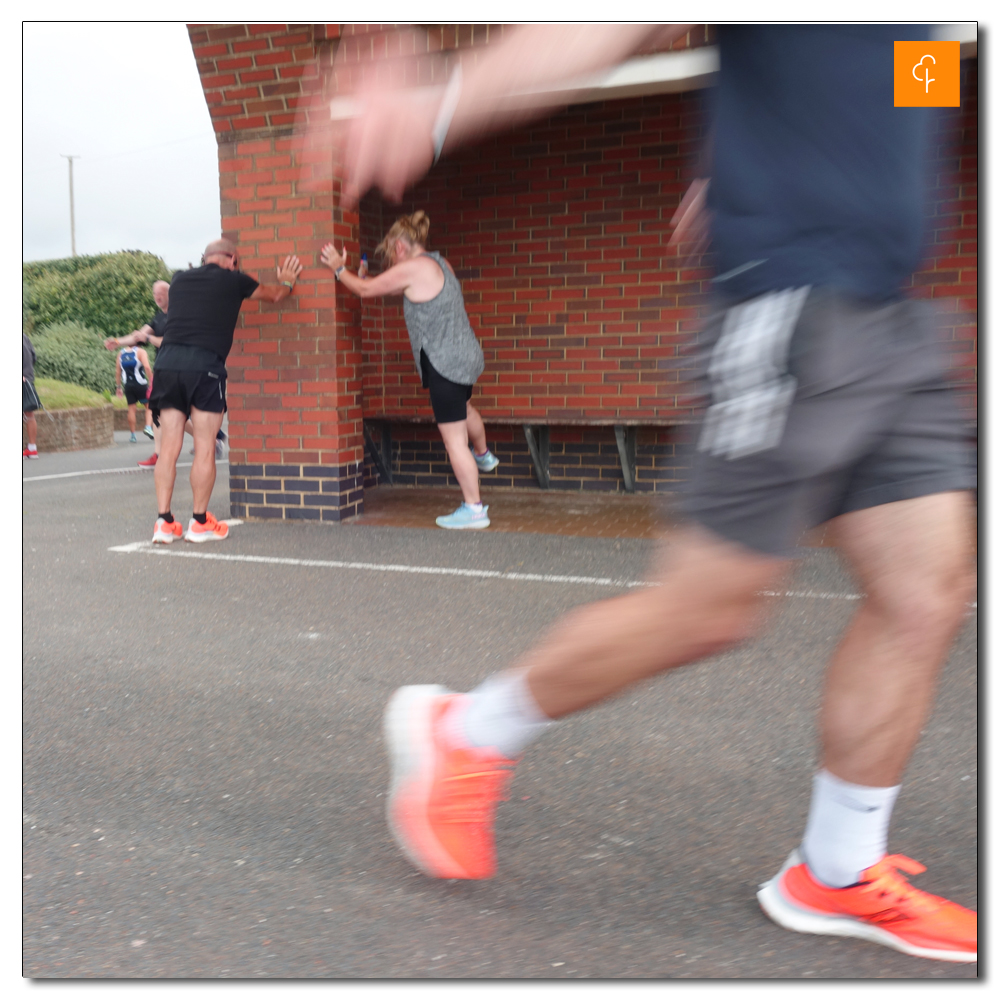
950	272
558	232
294	386
258	76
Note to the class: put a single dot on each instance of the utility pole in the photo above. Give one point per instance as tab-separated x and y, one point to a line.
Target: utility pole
72	219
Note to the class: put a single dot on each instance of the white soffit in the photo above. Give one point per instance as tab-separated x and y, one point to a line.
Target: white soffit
664	73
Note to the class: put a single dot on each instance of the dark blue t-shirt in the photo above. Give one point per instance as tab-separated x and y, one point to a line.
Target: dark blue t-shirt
816	178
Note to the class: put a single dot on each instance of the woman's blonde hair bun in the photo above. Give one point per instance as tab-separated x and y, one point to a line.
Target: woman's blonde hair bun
412	228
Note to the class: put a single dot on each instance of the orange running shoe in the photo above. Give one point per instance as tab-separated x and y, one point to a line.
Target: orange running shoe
164	534
210	531
442	800
883	907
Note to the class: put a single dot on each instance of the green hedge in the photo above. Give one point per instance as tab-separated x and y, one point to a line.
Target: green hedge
72	352
111	292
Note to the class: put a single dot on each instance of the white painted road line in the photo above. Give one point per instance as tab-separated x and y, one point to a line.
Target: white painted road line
147	548
108	472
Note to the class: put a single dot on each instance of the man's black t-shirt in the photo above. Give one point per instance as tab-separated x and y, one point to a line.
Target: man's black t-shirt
817	179
204	306
158	323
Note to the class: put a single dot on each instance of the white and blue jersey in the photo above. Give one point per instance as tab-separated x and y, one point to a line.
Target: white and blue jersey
133	373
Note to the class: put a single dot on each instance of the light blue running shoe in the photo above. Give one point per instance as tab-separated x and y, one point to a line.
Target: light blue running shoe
464	517
487	462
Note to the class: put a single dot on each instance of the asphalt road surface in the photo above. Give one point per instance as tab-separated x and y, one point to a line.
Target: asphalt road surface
204	771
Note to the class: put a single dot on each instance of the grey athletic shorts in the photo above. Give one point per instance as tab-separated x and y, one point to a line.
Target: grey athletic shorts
819	405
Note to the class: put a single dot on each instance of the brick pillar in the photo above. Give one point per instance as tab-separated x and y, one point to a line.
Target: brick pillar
296	447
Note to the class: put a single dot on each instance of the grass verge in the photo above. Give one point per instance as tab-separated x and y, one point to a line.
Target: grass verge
56	395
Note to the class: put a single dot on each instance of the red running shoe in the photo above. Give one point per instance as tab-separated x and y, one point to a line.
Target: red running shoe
149	462
883	907
164	534
442	800
210	531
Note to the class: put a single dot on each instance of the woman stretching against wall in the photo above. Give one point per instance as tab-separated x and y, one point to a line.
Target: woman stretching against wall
445	349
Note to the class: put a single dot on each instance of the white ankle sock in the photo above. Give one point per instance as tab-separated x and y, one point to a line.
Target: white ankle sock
499	713
847	829
476	507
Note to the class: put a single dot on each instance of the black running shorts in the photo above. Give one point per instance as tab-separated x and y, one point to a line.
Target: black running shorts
819	405
29	397
448	398
184	391
135	393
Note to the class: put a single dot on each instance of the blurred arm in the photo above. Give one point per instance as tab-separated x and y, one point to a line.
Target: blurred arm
144	335
390	144
516	80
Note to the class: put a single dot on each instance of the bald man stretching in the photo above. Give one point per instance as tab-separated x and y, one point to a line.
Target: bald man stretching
190	376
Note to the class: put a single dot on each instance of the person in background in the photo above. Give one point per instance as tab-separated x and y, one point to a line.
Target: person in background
29	397
445	350
133	376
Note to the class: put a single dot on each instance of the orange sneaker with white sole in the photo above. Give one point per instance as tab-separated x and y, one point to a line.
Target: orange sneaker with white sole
164	534
883	907
442	800
211	531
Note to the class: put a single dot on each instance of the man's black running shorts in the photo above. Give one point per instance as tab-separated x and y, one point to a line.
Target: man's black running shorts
29	397
184	391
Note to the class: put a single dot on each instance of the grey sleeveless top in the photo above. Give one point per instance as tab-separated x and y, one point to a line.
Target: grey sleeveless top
441	328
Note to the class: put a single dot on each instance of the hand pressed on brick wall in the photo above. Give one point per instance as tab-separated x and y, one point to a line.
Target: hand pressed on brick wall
288	273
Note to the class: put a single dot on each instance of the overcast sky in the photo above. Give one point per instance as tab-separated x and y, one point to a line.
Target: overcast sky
127	100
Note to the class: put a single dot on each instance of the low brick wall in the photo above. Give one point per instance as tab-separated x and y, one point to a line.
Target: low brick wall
74	430
121	419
